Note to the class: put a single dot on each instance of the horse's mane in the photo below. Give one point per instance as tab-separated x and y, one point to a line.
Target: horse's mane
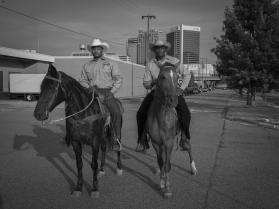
71	84
164	98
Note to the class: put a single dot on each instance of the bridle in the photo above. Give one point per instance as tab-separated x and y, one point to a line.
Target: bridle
59	82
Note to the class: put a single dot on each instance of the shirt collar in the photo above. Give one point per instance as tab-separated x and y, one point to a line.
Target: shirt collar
101	58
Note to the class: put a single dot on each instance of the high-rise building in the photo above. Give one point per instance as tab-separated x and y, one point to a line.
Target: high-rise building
142	48
190	43
132	48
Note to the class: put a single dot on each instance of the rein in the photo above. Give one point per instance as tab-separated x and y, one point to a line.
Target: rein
59	81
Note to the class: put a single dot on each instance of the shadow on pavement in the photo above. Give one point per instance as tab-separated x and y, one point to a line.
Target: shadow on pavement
144	178
47	145
175	169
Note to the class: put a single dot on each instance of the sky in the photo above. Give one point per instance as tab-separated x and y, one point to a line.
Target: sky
112	20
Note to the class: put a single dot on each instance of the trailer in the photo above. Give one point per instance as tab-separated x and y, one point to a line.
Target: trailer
26	86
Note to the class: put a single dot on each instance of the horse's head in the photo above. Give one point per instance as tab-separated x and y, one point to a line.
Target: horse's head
51	94
167	85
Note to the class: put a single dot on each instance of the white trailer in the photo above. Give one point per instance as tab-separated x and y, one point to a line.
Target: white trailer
25	85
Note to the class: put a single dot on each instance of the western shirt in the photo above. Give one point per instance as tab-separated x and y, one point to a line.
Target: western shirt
153	69
103	73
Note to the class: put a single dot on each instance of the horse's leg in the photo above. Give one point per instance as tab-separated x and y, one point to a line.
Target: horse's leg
194	170
168	150
78	152
158	150
119	170
103	159
94	166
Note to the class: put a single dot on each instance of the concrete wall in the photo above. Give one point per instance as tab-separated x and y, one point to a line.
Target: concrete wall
132	74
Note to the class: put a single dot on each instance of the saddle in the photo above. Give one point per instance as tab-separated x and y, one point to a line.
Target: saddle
103	96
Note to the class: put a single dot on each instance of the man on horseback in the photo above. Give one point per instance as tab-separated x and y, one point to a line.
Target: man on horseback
103	76
151	73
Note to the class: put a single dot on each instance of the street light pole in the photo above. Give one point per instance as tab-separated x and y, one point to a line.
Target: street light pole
148	17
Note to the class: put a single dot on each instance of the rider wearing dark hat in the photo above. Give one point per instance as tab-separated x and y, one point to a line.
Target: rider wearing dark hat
152	71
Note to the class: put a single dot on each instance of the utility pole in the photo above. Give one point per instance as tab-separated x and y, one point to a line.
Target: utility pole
148	17
182	44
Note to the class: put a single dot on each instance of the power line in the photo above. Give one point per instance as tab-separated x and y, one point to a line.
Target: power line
55	25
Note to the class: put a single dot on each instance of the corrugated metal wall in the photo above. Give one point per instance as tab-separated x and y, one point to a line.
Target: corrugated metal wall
132	74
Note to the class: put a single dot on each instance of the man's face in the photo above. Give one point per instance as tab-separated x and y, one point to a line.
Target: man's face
160	51
97	51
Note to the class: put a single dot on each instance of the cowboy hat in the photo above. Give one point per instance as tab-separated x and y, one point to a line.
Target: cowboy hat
98	42
160	43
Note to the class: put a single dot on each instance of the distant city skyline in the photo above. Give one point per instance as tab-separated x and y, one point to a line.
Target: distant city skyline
136	46
114	21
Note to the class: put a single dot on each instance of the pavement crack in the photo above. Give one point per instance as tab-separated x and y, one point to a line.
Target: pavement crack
220	145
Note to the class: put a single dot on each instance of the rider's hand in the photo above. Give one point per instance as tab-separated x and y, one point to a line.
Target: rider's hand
154	82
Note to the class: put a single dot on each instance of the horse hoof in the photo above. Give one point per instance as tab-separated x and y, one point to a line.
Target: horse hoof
76	194
194	170
167	194
101	173
95	194
119	172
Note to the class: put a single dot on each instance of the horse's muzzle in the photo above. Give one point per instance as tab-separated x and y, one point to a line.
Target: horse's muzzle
41	114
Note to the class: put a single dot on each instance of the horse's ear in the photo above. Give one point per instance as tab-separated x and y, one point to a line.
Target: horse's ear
52	70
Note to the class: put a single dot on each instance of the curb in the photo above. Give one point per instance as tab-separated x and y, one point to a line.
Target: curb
255	122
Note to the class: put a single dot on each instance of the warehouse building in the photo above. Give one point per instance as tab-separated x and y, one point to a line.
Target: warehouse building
20	61
14	61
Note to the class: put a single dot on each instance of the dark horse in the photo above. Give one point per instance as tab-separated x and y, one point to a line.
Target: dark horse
88	127
162	124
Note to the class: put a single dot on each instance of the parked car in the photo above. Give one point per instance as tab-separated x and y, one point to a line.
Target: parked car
223	86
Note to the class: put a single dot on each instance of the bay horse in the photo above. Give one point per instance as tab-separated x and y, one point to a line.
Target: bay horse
162	124
88	127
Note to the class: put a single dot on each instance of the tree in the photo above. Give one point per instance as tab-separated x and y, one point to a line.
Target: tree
248	50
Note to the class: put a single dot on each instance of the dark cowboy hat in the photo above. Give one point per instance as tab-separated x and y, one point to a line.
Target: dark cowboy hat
160	43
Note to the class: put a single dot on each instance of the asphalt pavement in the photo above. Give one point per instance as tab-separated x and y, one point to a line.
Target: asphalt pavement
237	163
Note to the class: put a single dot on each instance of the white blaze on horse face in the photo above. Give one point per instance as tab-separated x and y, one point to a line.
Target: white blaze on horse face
171	75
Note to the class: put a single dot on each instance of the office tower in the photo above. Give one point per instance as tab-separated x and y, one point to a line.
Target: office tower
190	43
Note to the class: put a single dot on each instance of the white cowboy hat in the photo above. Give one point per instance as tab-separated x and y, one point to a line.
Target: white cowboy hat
160	43
98	42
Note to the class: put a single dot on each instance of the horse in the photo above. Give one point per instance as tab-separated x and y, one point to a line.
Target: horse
85	122
162	124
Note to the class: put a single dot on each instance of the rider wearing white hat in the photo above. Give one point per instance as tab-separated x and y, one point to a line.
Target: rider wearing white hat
98	42
104	75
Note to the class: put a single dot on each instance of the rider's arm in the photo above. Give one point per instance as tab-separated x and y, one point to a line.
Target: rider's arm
185	76
117	79
148	81
85	77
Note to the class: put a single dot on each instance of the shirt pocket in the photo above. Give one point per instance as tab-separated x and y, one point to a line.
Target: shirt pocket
107	69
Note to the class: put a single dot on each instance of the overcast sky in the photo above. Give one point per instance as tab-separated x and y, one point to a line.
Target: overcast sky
113	20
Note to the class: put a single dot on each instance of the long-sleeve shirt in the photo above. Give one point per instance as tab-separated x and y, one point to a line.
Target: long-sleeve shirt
153	69
102	73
